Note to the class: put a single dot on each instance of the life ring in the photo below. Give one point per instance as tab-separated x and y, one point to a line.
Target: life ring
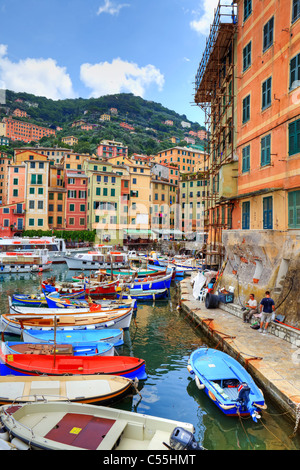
199	384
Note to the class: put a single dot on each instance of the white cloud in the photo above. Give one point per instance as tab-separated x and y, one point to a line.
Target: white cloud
120	76
202	25
111	8
41	77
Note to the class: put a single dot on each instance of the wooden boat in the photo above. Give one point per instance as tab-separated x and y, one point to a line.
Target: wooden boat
108	335
145	295
75	349
65	308
139	273
155	283
226	383
37	300
103	389
72	426
94	289
16	323
27	364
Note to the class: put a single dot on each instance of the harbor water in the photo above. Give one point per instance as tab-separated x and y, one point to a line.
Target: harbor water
162	336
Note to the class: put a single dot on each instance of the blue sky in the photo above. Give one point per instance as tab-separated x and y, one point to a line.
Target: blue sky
83	48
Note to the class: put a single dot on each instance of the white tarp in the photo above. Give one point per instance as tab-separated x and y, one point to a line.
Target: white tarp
199	282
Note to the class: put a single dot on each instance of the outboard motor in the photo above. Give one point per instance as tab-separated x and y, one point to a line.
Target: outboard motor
181	439
243	393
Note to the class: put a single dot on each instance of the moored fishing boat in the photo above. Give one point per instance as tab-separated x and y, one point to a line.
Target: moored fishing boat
36	300
155	283
75	349
109	335
102	389
36	365
145	295
93	288
94	260
226	382
70	426
16	323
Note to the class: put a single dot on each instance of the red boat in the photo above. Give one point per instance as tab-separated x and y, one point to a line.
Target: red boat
36	365
91	289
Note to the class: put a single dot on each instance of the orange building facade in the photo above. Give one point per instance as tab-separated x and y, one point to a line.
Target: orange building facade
25	131
268	115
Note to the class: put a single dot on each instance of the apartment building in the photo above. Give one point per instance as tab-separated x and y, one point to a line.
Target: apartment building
25	131
103	200
54	154
111	148
12	217
56	198
185	158
164	207
37	172
76	186
261	234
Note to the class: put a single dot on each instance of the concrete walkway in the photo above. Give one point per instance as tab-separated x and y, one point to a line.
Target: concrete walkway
273	362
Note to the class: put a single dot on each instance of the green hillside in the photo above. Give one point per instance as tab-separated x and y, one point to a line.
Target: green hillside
150	134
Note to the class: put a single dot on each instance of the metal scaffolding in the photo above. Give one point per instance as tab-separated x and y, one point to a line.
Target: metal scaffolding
215	95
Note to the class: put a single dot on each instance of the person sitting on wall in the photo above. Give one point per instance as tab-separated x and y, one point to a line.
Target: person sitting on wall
251	309
267	307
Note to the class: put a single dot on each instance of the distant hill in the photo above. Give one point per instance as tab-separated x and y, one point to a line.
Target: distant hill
150	134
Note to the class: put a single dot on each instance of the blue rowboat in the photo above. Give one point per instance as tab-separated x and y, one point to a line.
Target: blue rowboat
113	336
156	283
76	349
226	382
145	295
40	299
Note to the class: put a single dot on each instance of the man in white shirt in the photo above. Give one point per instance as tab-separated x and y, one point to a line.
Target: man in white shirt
251	309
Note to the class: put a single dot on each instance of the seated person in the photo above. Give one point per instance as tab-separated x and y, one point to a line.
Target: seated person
251	309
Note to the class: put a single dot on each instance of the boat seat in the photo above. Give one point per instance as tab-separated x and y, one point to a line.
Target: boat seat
157	440
113	435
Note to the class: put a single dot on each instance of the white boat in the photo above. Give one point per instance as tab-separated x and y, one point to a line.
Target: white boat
102	389
72	426
94	260
16	323
55	246
33	261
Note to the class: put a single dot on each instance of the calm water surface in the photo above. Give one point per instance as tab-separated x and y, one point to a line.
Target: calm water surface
165	339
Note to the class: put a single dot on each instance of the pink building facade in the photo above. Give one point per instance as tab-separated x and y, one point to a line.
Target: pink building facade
12	219
76	183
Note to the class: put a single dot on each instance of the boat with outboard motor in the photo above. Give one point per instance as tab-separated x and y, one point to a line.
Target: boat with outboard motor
226	383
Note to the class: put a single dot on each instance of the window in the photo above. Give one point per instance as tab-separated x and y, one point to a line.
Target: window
51	195
265	156
268	213
40	204
72	208
104	191
40	190
294	137
247	9
266	93
268	34
31	204
71	220
16	181
59	220
246	159
40	222
246	215
15	193
294	209
112	192
296	10
295	72
31	222
246	109
247	56
82	221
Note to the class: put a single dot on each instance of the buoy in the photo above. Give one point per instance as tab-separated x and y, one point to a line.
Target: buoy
199	384
20	445
4	435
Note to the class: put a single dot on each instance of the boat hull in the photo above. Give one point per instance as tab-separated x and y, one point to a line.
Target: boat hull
113	336
23	364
